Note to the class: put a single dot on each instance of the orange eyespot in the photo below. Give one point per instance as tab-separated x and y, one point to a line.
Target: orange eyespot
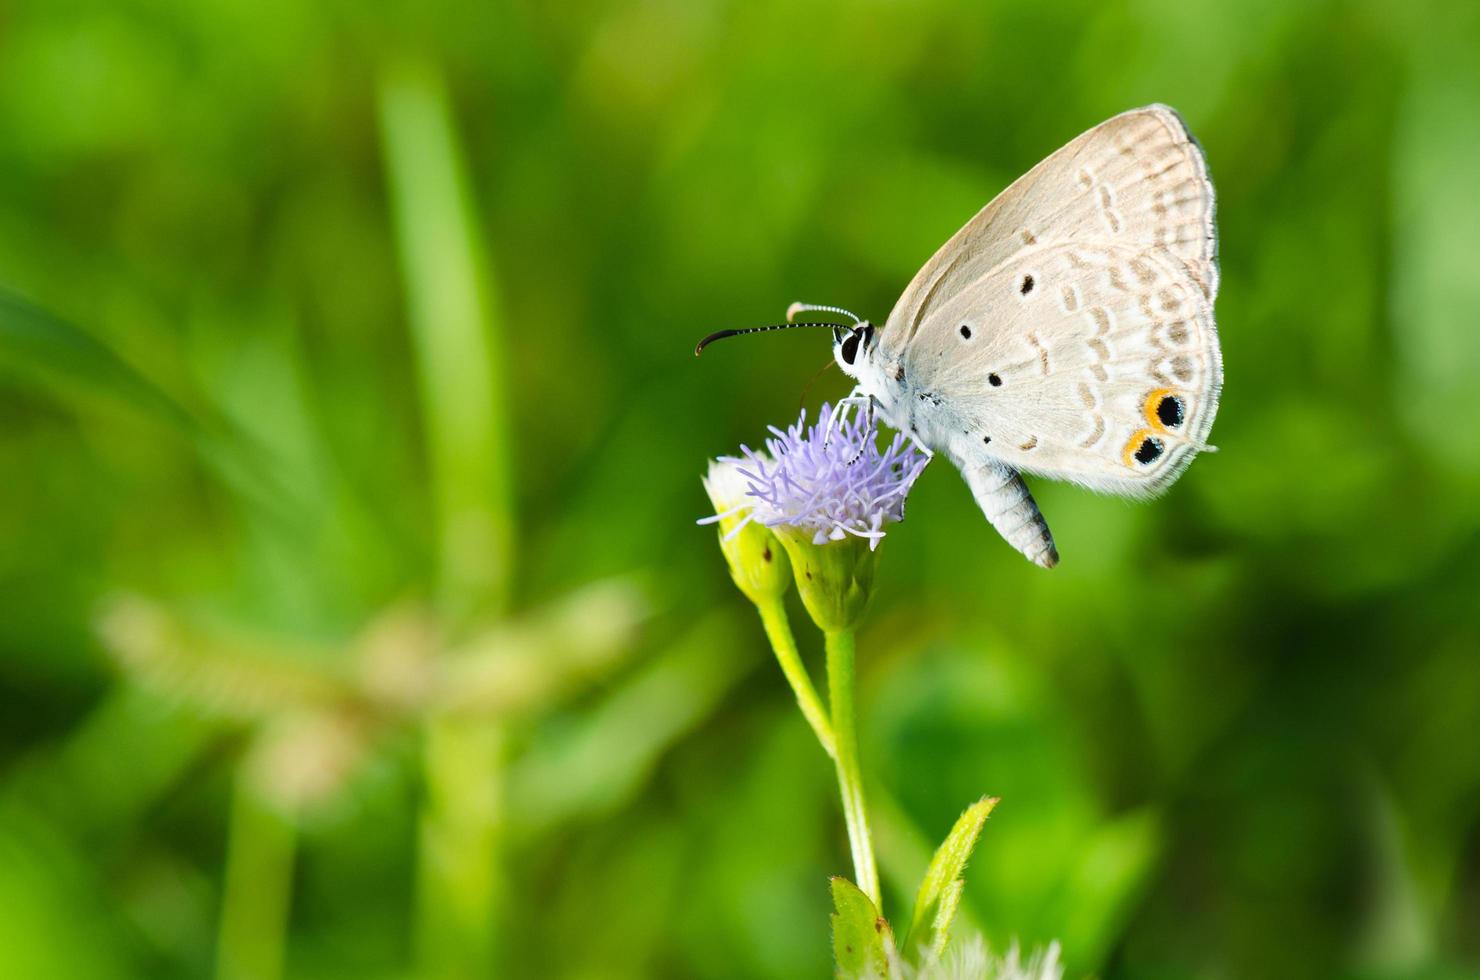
1143	449
1165	410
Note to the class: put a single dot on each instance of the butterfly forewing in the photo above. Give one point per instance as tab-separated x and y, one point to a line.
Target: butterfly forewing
1136	179
1069	325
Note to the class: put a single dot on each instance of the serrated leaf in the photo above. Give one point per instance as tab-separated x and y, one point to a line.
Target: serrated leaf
940	892
861	936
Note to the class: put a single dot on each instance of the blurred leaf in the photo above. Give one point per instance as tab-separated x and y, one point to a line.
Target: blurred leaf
1435	294
940	893
602	756
1113	870
861	939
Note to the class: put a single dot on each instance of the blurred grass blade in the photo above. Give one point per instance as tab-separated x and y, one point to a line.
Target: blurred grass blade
36	341
860	935
940	892
460	890
258	887
455	333
80	368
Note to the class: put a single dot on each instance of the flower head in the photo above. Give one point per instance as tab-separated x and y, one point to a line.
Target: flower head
830	479
827	491
970	960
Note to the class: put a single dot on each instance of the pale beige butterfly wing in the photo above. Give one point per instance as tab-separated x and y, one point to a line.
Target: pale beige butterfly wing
1067	329
1138	178
1086	361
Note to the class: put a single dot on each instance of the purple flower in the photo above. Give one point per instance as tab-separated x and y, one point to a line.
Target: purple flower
829	479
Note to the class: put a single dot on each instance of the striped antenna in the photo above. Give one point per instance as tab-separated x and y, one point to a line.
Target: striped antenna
795	309
722	334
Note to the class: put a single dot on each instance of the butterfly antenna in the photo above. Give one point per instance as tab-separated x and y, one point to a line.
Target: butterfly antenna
722	334
796	309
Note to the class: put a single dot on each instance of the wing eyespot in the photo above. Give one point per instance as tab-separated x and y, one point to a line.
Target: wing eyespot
994	379
965	331
1027	285
1165	409
1169	411
1143	449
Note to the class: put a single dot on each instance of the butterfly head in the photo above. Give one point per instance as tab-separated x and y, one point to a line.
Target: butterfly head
853	347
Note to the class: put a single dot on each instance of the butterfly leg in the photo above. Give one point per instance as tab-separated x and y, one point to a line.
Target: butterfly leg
868	427
929	453
841	408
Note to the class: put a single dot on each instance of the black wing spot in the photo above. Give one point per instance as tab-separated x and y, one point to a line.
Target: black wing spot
1170	411
965	332
1027	286
986	440
994	380
1150	451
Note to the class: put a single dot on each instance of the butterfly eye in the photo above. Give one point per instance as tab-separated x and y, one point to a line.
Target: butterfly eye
850	346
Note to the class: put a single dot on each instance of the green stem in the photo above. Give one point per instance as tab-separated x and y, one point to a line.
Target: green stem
258	886
460	892
841	652
778	631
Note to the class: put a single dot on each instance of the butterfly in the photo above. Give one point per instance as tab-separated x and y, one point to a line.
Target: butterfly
1066	331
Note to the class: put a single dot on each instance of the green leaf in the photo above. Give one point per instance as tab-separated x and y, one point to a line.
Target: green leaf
861	936
945	914
940	892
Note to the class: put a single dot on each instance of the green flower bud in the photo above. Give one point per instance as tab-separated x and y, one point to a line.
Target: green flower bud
835	578
758	563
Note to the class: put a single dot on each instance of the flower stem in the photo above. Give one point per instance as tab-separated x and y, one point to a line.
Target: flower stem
778	631
840	683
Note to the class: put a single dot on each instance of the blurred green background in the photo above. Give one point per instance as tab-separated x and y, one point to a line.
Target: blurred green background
355	623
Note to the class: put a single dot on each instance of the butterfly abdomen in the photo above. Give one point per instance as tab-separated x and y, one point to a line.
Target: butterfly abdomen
1005	500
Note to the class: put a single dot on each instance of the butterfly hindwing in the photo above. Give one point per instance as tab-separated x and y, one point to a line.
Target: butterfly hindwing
1092	363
